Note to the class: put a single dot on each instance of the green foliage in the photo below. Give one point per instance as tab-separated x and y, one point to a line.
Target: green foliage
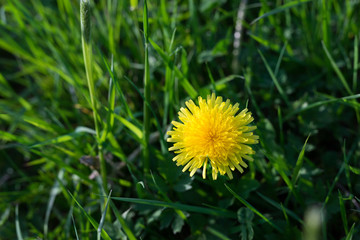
295	68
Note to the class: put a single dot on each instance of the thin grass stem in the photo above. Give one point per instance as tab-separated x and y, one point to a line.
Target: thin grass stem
87	53
146	125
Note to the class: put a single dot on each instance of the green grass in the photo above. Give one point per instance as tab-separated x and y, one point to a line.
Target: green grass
83	136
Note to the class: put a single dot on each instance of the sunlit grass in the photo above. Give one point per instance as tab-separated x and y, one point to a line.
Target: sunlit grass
74	127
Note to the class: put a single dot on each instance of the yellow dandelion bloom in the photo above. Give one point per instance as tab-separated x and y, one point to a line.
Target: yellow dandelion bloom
212	132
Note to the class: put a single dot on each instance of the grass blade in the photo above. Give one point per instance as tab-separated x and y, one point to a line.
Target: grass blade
248	205
59	162
272	75
4	216
158	126
114	80
102	220
184	207
17	223
53	193
91	220
356	63
336	179
299	163
217	234
342	100
280	59
76	234
351	233
336	69
122	222
354	170
56	140
280	207
211	78
147	94
325	22
183	80
280	9
343	213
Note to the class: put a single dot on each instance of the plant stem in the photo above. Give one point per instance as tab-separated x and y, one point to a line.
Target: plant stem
87	53
146	124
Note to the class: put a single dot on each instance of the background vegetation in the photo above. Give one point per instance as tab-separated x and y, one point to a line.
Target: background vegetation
295	67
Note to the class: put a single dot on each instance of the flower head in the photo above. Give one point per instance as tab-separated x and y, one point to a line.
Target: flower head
212	132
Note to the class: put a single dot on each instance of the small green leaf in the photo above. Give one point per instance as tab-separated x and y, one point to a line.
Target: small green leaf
177	224
245	217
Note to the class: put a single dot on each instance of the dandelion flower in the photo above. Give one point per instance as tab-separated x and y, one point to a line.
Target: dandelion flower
212	132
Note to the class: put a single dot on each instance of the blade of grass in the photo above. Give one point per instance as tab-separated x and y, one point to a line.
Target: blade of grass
17	223
211	78
342	100
281	207
122	222
281	127
217	234
183	80
4	216
53	193
248	205
71	203
222	81
162	140
347	169
298	165
247	77
102	220
356	63
351	233
10	45
169	82
60	163
280	59
280	9
115	81
184	207
277	84
56	140
76	234
265	42
137	131
279	163
147	94
325	22
299	162
354	170
91	220
336	69
111	107
41	124
343	213
285	214
336	179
